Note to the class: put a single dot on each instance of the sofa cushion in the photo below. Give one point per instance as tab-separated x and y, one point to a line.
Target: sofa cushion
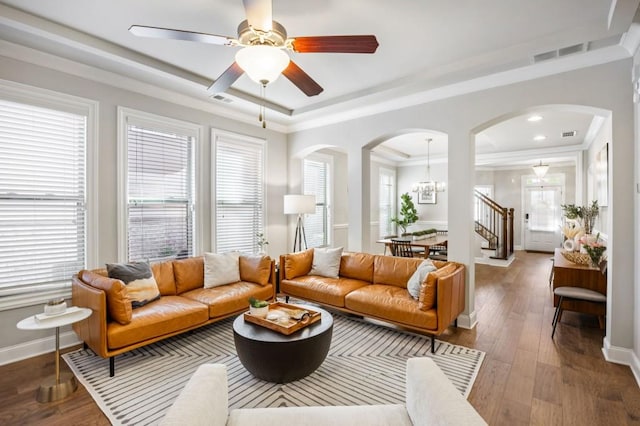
428	289
391	303
189	274
118	303
415	282
358	266
163	273
326	262
167	315
329	291
137	276
255	269
297	264
221	269
393	270
370	415
227	299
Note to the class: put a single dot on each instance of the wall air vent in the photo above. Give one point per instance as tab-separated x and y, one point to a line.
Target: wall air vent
222	99
569	134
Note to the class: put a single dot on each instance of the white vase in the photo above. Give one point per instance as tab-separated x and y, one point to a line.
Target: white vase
259	312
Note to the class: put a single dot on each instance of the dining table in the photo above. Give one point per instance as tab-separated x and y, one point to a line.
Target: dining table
424	243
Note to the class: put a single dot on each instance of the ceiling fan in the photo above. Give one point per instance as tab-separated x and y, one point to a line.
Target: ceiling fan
264	42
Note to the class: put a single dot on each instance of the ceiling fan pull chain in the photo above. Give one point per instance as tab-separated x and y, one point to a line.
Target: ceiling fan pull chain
263	109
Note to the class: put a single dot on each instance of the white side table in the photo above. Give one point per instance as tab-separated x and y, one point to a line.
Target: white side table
56	387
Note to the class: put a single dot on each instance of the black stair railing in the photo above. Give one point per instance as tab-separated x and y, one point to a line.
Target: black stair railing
494	223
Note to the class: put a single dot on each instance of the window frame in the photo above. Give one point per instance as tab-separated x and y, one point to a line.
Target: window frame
44	98
161	123
384	171
329	160
216	135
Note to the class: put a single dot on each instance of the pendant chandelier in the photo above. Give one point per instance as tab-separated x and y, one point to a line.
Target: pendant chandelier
540	169
428	187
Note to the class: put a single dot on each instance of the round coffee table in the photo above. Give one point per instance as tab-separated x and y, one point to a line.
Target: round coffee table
275	357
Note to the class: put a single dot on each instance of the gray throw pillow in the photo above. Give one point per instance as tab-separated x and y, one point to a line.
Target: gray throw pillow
414	283
138	278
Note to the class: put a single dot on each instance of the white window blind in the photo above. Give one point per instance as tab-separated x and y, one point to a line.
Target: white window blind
42	198
387	198
160	193
239	186
316	182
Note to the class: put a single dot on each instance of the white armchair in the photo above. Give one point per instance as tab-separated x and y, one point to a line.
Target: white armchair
431	399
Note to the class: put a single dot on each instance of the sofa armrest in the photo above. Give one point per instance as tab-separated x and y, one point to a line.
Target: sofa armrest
450	295
203	401
433	400
93	330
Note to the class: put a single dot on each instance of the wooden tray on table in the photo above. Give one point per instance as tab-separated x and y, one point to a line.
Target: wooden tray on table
292	318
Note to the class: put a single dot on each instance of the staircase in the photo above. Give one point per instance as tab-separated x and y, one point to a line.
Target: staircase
494	224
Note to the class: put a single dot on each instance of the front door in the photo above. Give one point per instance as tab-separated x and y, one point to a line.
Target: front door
542	213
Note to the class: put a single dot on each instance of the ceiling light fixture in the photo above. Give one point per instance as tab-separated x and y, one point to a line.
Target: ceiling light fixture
540	169
539	138
427	188
534	118
263	64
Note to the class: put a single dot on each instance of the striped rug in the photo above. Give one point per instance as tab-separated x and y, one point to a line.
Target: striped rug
365	365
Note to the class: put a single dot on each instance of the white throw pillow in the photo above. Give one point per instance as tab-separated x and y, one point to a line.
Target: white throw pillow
414	283
326	262
221	269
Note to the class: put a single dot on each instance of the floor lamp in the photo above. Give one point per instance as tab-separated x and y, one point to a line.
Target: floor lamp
300	205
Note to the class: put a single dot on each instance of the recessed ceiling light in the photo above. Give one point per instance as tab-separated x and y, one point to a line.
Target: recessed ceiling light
534	118
539	138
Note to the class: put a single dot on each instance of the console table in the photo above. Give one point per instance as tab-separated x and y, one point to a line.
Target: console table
566	273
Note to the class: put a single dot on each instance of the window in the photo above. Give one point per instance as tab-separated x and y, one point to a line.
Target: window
239	192
44	214
158	187
387	201
316	176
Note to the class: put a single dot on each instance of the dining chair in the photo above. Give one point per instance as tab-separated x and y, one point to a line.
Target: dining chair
577	293
401	248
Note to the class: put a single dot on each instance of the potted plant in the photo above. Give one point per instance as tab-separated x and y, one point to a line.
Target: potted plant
585	214
262	243
408	213
258	308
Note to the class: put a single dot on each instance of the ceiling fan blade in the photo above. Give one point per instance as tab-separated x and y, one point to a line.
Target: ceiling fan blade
155	32
301	79
336	44
259	14
226	79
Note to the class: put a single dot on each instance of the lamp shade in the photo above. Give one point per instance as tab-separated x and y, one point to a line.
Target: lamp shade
263	64
299	204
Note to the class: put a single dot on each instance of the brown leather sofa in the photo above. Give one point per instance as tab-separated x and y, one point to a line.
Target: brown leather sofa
115	328
375	286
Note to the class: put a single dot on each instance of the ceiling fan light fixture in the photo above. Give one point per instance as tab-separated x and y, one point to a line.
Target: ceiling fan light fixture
263	64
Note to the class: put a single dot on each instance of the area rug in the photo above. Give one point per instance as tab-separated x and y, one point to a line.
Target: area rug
365	365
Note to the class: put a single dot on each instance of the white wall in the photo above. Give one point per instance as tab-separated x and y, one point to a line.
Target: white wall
109	99
604	86
429	215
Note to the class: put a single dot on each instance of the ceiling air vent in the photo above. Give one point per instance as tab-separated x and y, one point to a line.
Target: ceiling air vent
569	134
545	56
222	99
576	48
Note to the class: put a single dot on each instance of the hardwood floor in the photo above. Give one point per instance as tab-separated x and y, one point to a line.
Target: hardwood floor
526	378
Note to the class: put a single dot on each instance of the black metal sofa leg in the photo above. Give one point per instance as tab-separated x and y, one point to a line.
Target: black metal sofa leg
433	344
112	366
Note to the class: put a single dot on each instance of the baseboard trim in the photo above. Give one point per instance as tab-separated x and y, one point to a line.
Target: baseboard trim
467	321
622	356
37	347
